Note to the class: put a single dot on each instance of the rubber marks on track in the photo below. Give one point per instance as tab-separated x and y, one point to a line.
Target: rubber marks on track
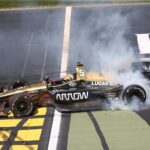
99	132
124	130
22	133
82	134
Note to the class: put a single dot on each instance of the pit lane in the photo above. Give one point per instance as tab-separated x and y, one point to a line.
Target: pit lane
110	130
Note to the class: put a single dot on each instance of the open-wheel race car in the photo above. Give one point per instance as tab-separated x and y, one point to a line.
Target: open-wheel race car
81	91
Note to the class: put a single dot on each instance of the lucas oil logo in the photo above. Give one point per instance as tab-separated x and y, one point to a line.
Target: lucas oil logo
72	96
100	83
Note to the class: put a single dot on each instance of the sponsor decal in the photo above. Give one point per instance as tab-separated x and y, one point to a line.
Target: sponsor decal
72	96
72	84
81	73
54	91
100	83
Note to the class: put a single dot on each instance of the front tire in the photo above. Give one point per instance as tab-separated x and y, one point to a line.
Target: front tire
133	92
21	105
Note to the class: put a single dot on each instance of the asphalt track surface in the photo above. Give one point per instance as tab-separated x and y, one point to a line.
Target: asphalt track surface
29	33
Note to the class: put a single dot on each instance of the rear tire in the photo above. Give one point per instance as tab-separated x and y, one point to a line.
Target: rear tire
133	92
21	105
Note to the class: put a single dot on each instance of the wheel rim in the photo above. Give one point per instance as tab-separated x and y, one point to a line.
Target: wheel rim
134	95
21	106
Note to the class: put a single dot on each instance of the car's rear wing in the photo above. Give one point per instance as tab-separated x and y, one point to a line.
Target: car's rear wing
143	65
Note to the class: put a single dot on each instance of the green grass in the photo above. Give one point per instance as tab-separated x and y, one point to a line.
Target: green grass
110	1
25	3
30	3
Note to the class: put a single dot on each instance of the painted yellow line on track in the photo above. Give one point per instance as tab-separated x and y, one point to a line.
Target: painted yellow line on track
28	135
9	123
41	111
10	114
24	147
1	146
23	134
4	135
34	122
82	134
124	130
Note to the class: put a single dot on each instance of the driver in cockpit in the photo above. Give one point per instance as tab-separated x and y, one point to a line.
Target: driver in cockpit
68	76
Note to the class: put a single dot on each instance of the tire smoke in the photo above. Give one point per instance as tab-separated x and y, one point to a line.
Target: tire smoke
101	42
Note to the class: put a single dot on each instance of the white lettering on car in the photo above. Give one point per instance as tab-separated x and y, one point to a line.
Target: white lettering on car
81	73
100	83
72	96
72	84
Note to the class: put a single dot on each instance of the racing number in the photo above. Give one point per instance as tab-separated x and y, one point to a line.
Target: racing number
81	73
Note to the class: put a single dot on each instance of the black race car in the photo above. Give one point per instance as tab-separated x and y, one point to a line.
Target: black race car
82	91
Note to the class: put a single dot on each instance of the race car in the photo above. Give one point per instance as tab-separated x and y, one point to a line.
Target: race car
81	91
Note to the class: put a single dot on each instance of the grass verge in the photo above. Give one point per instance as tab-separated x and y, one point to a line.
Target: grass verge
34	3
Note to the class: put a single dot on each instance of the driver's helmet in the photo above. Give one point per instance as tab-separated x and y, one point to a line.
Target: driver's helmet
47	79
68	77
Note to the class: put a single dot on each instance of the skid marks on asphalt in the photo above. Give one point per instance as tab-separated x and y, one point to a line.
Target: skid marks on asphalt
22	133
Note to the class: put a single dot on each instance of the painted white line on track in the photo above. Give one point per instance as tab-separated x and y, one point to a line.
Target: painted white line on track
46	49
55	131
57	115
45	56
64	60
27	56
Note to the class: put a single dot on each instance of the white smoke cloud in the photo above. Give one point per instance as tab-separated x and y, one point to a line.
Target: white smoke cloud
101	40
102	46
